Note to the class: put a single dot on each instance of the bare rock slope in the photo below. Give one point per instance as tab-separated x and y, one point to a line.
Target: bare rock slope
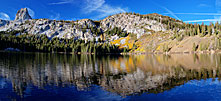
82	29
23	14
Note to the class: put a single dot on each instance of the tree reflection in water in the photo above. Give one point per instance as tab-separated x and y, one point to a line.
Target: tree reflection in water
124	75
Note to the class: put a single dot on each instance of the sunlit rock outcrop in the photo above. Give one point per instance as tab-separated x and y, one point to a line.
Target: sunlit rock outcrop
22	15
84	29
132	24
4	22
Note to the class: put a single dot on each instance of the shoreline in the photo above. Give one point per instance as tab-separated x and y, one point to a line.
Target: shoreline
134	53
169	53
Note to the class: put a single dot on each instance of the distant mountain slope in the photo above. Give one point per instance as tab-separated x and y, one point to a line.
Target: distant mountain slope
84	29
137	33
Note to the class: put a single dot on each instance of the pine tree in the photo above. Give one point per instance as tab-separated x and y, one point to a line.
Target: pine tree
202	30
198	30
209	30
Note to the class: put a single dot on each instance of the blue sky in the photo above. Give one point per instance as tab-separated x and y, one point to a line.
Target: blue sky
186	10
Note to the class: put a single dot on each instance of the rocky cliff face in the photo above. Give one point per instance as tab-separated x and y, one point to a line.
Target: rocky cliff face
22	14
82	29
132	24
4	22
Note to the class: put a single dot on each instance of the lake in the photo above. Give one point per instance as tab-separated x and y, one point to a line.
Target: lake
44	76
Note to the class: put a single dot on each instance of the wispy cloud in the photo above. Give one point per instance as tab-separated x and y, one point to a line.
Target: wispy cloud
204	20
31	12
218	9
4	16
55	17
203	5
195	13
101	8
171	13
217	16
218	5
107	10
61	2
92	5
73	19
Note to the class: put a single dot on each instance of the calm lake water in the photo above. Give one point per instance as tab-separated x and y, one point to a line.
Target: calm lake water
41	76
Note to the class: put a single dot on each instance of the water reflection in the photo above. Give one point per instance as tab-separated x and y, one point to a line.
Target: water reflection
123	75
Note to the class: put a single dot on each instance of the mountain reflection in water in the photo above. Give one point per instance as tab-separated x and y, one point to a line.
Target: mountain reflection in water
121	75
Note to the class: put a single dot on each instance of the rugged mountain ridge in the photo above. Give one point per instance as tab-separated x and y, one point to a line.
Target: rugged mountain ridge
81	29
129	32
